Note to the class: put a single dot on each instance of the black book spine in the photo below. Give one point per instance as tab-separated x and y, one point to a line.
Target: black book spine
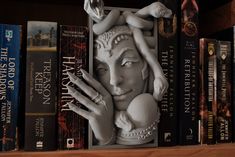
73	56
167	56
189	65
224	95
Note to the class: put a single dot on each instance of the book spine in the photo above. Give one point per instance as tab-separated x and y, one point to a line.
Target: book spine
73	57
233	80
203	95
229	35
211	79
189	55
167	56
224	95
9	85
41	86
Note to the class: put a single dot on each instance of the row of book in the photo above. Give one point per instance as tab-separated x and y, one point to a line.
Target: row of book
41	95
178	56
217	123
41	71
199	106
215	70
47	116
45	99
44	111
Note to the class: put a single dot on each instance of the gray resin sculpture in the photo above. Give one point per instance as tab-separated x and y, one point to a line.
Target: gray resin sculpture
128	80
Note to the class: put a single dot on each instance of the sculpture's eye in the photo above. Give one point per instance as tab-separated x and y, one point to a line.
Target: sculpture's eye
128	62
101	70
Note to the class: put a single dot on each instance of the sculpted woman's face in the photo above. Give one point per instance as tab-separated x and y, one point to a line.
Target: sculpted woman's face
119	69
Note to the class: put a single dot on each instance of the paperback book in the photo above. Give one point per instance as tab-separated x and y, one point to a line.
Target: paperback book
73	56
10	39
41	86
167	56
189	64
224	95
207	94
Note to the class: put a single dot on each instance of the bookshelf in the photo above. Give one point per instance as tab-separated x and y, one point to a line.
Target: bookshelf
217	19
71	12
221	150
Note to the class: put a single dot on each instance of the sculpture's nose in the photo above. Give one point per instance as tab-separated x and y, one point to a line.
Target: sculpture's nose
115	76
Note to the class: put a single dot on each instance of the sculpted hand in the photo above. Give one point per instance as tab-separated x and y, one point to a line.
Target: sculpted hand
100	105
160	86
156	10
122	121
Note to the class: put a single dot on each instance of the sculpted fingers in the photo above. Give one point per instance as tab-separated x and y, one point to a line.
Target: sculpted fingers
165	87
79	111
93	89
156	10
83	100
93	83
160	87
122	121
83	86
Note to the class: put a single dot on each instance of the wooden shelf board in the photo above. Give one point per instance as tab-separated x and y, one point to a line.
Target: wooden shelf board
218	19
221	150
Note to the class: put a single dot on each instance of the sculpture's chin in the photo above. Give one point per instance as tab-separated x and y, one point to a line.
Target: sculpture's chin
144	114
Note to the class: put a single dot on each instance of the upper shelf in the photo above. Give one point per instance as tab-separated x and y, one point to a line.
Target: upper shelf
217	19
208	5
221	150
126	3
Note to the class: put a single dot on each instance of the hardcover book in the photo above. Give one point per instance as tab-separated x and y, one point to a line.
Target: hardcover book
41	86
189	54
10	39
167	56
73	56
224	95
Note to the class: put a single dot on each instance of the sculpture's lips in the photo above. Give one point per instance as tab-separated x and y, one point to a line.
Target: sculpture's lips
121	96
